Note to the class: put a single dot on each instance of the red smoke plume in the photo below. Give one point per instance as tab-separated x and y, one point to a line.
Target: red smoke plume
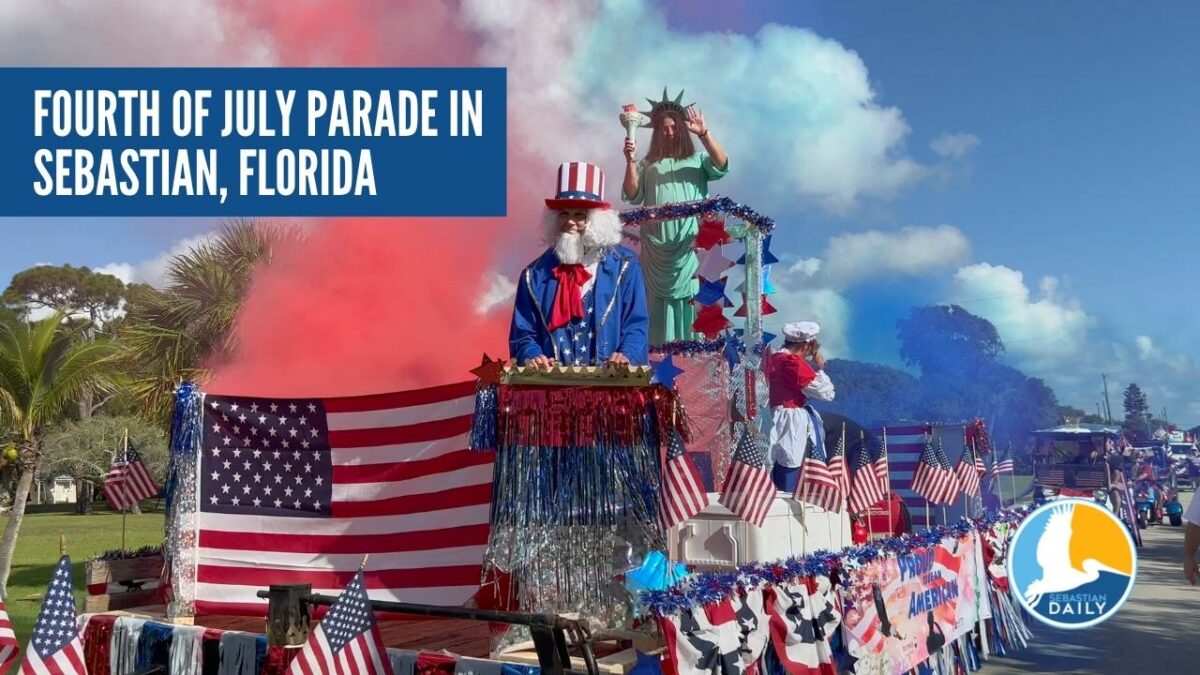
372	305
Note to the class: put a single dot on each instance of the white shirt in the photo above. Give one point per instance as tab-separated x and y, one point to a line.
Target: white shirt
821	388
587	285
1192	515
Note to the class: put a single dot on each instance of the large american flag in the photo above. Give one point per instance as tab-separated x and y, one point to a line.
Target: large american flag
8	641
297	490
55	648
128	481
870	484
905	443
818	485
933	478
749	491
683	494
347	641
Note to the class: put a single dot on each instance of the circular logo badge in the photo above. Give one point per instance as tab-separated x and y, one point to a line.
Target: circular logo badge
1072	564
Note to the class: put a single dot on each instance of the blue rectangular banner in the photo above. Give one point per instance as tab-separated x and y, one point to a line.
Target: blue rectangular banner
285	142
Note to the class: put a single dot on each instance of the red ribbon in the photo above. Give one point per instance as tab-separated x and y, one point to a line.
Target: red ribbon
568	300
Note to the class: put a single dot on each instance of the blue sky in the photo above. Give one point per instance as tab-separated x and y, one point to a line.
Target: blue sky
1089	147
1076	158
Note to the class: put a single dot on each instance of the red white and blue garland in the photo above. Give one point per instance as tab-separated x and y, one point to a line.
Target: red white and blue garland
710	587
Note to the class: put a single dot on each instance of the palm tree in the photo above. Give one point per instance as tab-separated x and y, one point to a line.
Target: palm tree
44	366
168	333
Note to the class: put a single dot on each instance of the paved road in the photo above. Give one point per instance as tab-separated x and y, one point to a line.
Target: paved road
1156	632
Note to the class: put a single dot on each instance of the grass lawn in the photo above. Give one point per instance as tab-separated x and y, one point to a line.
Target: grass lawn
1009	483
37	553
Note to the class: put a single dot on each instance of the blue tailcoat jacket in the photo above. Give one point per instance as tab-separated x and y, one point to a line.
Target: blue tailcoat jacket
616	320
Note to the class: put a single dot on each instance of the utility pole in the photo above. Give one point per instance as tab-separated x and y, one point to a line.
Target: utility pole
1107	405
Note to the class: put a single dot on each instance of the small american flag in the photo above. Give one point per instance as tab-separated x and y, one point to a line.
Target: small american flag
968	469
870	480
1003	466
128	482
8	641
347	641
55	648
839	468
882	469
818	485
934	479
749	491
683	494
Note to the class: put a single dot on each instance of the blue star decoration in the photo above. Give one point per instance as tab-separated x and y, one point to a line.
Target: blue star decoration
768	258
664	372
712	292
647	664
766	337
732	355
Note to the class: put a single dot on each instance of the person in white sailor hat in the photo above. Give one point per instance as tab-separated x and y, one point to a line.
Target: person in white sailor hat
583	301
796	375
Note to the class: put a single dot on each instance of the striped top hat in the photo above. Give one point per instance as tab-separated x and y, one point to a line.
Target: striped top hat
580	186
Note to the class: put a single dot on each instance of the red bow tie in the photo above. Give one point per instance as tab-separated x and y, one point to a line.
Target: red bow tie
568	300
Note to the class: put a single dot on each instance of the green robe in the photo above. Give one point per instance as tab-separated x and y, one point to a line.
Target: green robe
668	248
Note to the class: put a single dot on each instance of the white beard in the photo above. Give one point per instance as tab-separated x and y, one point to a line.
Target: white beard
569	248
577	249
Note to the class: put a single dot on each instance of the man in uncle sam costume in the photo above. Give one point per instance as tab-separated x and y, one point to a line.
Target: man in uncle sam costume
583	302
576	471
796	375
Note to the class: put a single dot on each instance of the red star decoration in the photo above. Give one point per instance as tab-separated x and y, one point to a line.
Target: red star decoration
712	233
767	308
711	320
489	371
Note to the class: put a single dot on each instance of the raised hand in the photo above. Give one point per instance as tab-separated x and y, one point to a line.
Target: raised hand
694	119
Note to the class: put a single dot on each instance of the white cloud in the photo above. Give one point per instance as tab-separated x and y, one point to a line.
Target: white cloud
812	288
954	146
123	271
1051	336
912	251
823	305
1038	331
154	270
796	111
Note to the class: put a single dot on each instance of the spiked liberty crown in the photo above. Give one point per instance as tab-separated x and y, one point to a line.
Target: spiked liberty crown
659	108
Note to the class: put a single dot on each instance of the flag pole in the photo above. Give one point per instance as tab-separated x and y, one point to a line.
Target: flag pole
124	507
845	499
1012	483
974	458
887	494
862	445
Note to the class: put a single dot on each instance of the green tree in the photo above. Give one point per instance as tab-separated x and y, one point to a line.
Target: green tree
90	298
1137	409
44	366
168	333
84	450
871	394
947	341
71	290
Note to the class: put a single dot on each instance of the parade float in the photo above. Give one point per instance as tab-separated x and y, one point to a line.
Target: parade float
572	517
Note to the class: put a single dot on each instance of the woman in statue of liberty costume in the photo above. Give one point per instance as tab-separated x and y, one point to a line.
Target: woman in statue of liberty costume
672	171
